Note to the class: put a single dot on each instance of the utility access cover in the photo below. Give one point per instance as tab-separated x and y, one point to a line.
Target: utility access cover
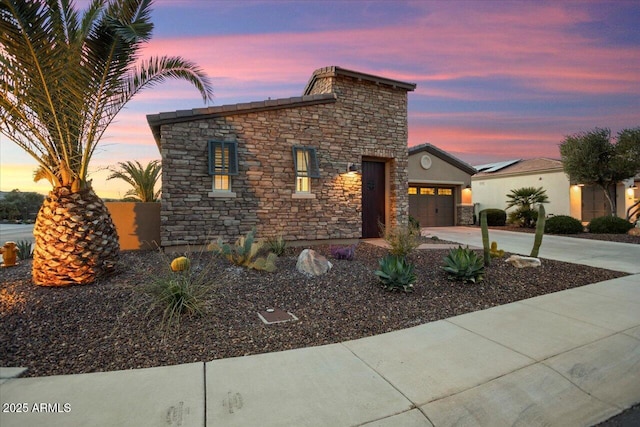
275	315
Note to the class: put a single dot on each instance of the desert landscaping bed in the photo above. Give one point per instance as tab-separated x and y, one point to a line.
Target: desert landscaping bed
107	326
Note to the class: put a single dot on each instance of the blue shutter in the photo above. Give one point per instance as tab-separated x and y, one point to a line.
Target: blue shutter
311	169
228	165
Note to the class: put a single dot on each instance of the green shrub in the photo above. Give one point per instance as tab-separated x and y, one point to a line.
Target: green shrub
414	223
609	225
177	293
563	224
495	217
464	265
402	239
396	274
25	250
277	244
523	217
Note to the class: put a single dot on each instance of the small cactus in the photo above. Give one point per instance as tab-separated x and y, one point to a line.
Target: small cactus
244	253
495	252
485	238
180	264
267	264
539	232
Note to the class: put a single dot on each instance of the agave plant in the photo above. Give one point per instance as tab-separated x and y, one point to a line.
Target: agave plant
396	273
63	79
464	265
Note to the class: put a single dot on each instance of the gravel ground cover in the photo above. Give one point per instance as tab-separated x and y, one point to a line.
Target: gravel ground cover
109	325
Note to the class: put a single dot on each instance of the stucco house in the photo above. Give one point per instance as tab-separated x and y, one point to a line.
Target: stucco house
494	181
330	164
439	187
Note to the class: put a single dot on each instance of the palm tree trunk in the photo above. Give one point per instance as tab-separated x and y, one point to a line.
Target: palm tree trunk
76	240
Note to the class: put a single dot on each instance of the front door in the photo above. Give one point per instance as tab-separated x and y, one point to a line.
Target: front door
594	203
373	195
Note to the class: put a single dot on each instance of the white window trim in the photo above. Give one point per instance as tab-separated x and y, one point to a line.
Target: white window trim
313	171
222	194
301	195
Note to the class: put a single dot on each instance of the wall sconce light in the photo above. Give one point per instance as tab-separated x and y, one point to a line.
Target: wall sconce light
352	167
468	187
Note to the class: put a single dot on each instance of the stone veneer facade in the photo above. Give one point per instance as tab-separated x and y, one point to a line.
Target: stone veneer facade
346	116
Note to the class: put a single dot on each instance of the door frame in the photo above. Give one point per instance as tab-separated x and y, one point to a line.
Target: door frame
387	193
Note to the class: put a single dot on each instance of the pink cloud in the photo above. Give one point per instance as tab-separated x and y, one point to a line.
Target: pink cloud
530	43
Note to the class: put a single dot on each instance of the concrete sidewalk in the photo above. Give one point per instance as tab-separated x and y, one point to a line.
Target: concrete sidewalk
571	358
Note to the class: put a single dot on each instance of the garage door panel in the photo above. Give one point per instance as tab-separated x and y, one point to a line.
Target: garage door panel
432	206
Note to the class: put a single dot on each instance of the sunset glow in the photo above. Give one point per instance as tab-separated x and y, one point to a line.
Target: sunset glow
495	80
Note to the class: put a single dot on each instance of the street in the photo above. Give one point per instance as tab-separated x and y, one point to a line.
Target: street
16	232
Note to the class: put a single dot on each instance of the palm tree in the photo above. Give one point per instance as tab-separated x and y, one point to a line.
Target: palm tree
525	199
143	180
63	79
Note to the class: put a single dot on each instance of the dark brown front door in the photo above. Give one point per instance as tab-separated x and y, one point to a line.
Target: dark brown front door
594	203
373	192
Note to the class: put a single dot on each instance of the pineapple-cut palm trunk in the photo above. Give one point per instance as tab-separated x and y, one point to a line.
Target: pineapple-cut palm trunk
76	240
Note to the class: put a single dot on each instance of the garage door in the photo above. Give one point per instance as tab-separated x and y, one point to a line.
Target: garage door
432	206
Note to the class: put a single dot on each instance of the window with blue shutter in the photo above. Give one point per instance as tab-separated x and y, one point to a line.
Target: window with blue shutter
305	163
223	162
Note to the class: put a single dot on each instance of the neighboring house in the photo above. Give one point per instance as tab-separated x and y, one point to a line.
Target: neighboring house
439	187
330	164
494	181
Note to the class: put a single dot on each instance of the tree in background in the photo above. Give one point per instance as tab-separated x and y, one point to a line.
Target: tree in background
63	79
526	199
595	158
19	205
143	180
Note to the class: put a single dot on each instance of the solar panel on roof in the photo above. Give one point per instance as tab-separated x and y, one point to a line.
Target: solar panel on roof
494	167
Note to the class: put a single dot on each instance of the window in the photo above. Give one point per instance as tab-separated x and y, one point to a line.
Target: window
445	192
306	166
223	162
413	190
427	191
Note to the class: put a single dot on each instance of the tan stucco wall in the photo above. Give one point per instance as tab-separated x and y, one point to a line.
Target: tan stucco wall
440	172
137	224
491	192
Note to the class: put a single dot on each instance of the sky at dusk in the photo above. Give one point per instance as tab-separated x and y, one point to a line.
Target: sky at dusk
495	80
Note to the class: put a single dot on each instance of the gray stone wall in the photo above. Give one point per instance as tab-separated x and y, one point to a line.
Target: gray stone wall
366	120
464	215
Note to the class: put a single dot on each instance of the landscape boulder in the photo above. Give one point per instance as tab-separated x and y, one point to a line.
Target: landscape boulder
523	261
311	263
635	231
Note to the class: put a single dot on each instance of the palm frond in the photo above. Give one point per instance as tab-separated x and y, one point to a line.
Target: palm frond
142	179
64	79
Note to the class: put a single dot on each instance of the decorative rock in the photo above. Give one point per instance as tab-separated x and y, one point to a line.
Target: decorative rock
310	263
523	261
635	231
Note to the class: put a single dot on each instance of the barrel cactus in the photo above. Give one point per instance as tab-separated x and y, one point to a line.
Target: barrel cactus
180	264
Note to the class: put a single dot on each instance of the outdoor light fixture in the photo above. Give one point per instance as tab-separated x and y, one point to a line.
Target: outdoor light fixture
352	167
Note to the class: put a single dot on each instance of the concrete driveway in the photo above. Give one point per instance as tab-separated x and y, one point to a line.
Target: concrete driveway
623	257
